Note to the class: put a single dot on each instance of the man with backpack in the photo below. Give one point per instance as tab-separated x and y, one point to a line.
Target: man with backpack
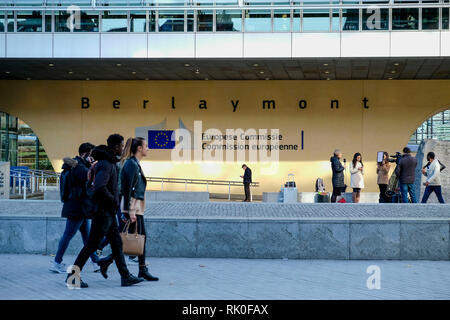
103	185
73	194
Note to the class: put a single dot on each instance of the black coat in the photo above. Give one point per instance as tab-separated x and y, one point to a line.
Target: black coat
338	172
106	192
133	182
247	175
72	208
406	169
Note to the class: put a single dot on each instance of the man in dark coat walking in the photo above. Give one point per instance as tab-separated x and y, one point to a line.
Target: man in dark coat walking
247	177
406	173
338	175
104	222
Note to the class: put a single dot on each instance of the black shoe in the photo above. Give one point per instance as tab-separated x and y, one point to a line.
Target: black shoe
104	264
143	273
82	283
130	280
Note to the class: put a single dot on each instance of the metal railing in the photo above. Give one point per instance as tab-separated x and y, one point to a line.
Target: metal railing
206	182
30	181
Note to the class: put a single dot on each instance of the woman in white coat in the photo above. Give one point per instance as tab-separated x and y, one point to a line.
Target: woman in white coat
356	177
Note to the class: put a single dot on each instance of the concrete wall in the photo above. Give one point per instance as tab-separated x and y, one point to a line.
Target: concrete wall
442	151
4	180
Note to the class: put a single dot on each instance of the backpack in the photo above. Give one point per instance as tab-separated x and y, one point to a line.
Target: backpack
65	185
320	187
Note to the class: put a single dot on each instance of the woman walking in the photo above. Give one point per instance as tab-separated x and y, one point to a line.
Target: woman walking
133	184
383	177
356	178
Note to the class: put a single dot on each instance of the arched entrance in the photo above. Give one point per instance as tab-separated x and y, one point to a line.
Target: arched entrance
436	127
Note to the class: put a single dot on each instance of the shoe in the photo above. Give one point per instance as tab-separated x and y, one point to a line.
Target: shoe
143	273
72	285
58	267
133	259
104	263
130	280
95	267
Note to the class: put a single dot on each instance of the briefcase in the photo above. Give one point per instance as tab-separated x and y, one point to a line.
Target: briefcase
132	243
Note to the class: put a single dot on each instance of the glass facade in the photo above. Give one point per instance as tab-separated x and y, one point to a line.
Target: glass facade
437	127
214	16
8	138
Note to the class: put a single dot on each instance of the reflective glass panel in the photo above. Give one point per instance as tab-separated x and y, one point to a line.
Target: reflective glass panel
350	19
296	21
257	21
190	21
204	20
430	18
228	20
88	22
48	21
405	19
61	19
138	21
445	15
2	21
171	21
375	19
114	21
282	20
335	21
29	21
10	21
316	20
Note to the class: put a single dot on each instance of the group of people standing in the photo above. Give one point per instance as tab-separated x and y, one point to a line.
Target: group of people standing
106	184
405	172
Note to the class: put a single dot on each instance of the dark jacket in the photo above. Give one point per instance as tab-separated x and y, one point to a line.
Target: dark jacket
106	192
247	175
406	169
338	172
72	208
133	182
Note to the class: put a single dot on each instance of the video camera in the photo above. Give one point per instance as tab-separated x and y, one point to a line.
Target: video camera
395	158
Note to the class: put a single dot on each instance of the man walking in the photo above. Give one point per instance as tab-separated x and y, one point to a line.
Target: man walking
73	195
104	223
247	177
433	183
406	172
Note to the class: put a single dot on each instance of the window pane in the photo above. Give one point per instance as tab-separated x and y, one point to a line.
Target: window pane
152	21
61	21
228	20
48	21
204	20
282	20
2	21
445	23
404	19
375	19
257	20
138	21
114	21
29	21
335	22
350	19
430	18
88	22
171	21
190	21
316	20
10	21
296	21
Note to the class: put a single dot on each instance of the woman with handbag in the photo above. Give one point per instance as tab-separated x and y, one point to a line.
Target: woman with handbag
133	186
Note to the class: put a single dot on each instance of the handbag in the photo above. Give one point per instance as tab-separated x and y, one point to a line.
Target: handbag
132	243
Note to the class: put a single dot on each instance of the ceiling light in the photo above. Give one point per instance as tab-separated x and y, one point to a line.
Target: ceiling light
328	79
389	78
70	72
88	79
206	79
327	72
197	71
50	64
396	64
261	72
119	65
393	71
28	78
187	65
7	72
255	65
134	72
325	64
267	78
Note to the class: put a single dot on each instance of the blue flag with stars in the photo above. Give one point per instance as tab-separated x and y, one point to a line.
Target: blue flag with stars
160	139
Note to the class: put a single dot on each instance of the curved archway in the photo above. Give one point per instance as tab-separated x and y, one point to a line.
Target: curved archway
20	146
436	126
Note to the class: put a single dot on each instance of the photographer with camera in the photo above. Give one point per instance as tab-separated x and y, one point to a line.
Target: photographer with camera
406	172
432	171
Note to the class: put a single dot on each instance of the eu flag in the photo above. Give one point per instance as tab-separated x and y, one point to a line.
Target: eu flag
160	139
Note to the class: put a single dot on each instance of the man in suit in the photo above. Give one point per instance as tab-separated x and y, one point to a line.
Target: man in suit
247	177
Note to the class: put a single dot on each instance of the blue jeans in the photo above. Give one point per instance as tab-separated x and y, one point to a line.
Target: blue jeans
72	226
404	189
429	190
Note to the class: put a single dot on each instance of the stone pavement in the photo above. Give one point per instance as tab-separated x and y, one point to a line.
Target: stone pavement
27	277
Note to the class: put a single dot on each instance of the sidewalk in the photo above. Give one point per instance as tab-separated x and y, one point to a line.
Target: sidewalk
27	277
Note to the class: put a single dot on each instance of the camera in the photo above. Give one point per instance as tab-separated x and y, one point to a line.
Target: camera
395	158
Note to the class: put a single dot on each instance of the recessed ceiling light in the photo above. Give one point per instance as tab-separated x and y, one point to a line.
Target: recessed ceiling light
328	79
134	72
327	72
7	72
119	65
393	71
255	65
267	78
88	79
389	78
70	72
396	64
261	72
28	78
325	64
206	79
50	64
197	71
187	65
